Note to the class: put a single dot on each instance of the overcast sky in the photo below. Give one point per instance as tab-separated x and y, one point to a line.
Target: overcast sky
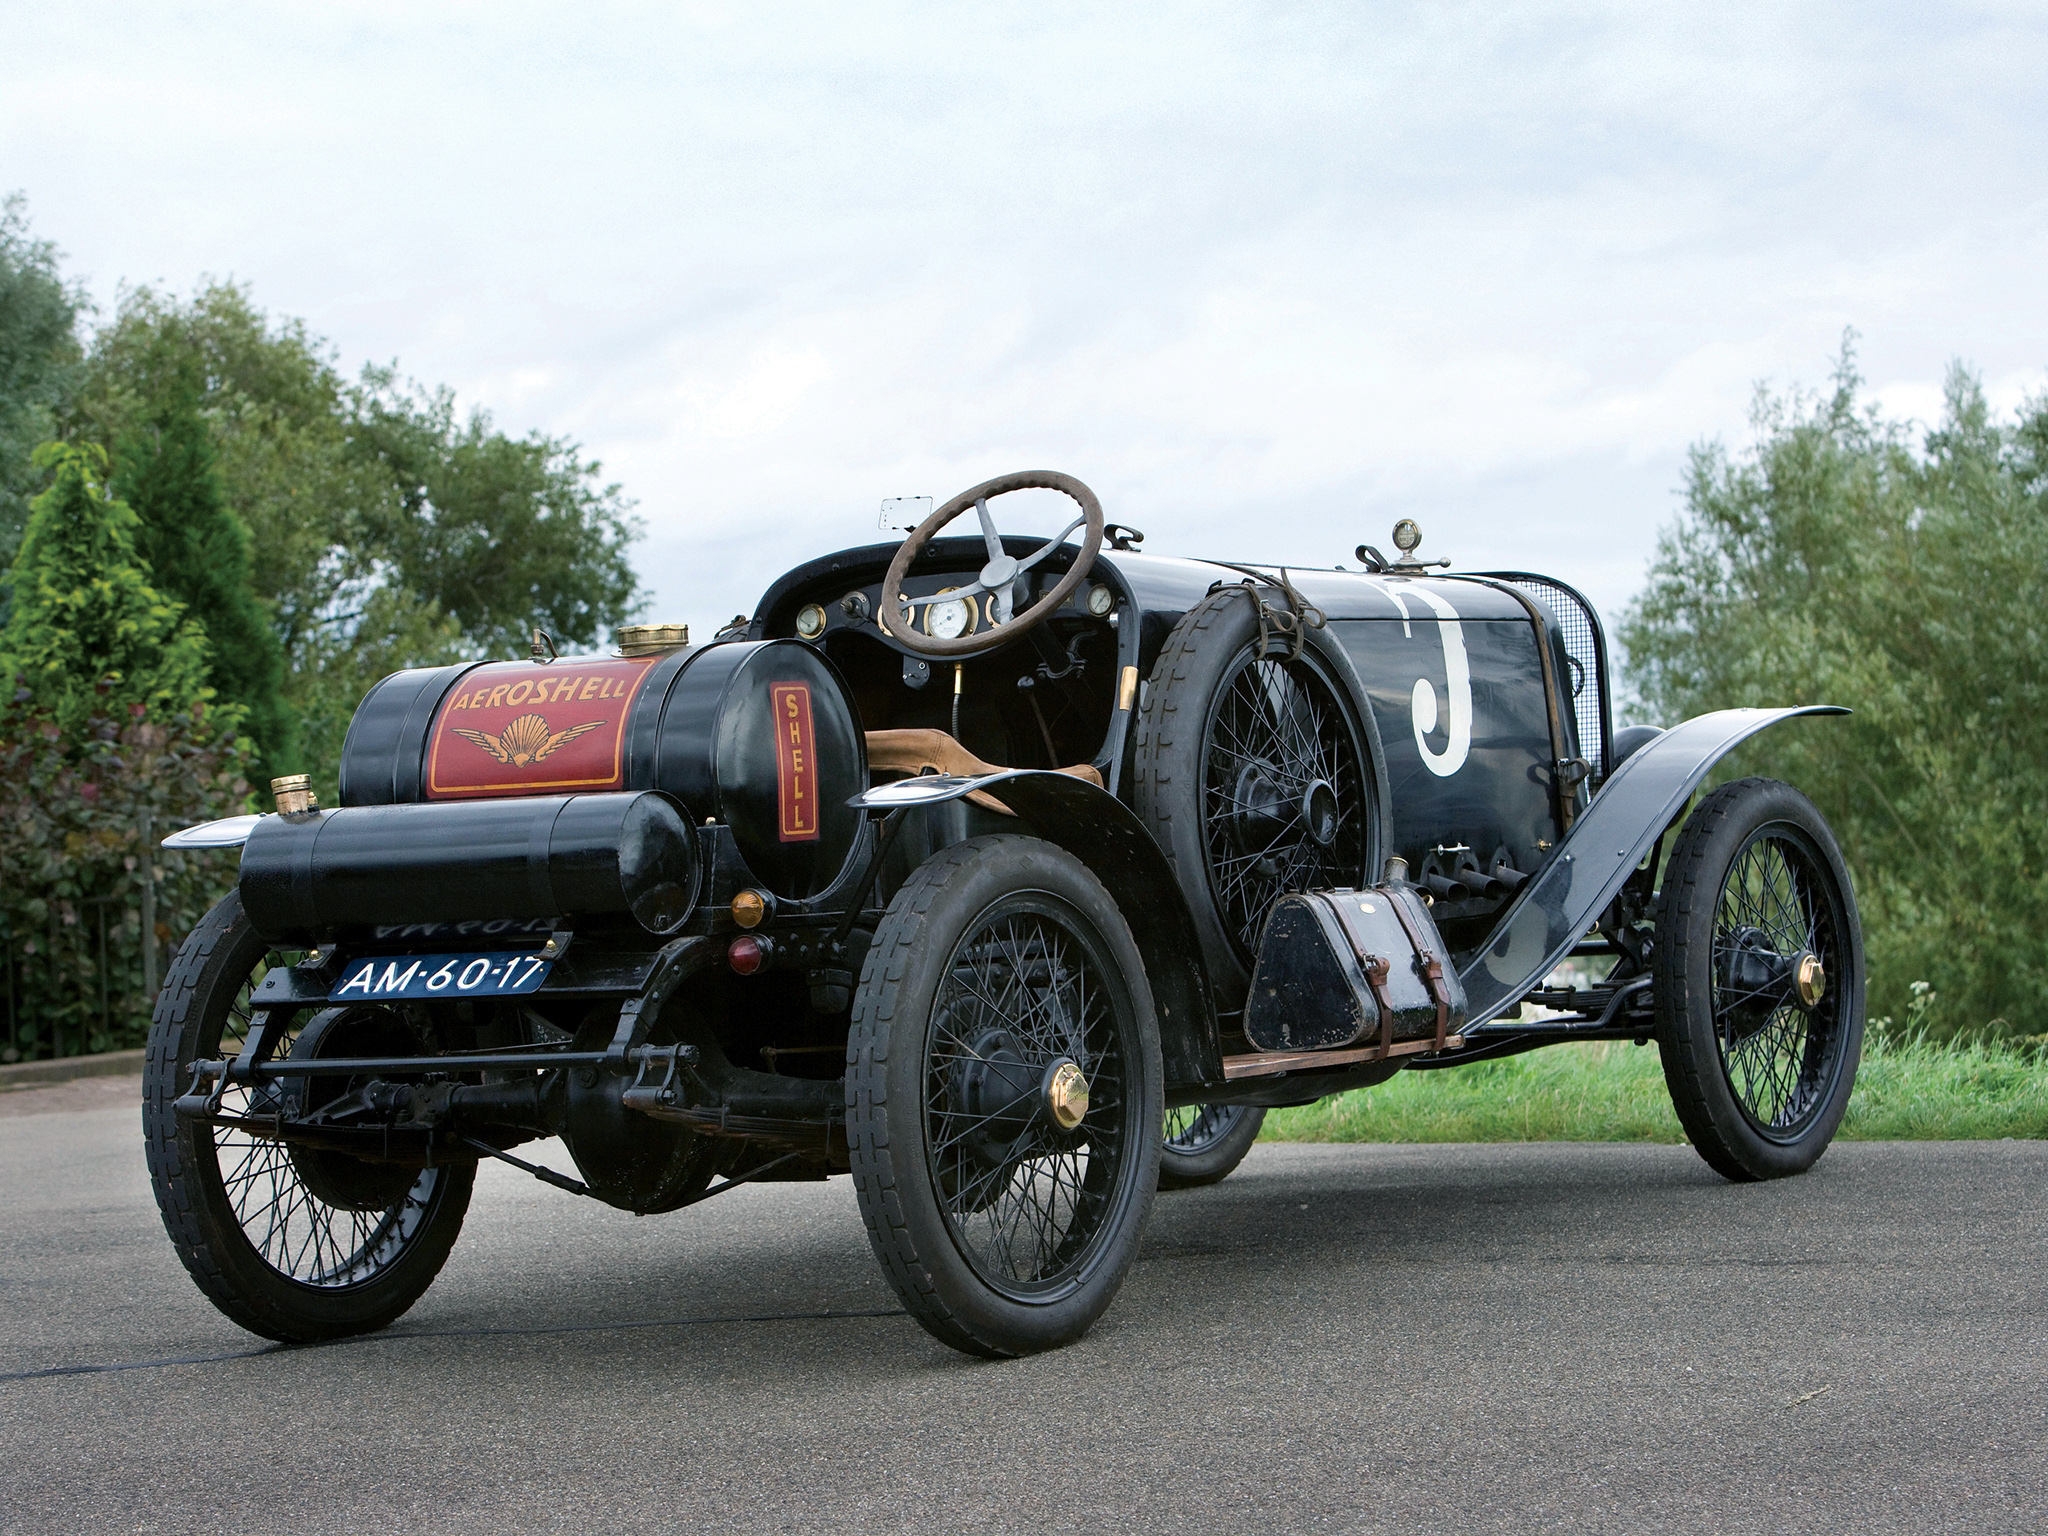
1267	278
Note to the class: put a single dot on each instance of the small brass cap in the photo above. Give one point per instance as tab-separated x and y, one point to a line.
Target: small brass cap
651	639
1066	1095
749	909
1811	978
294	794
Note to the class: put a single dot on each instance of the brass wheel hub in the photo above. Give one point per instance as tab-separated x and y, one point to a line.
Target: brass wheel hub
1809	979
1066	1094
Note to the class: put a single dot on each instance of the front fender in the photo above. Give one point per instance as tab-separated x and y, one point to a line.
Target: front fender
1610	838
1103	833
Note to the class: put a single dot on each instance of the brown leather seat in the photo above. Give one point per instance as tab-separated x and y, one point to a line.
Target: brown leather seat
911	752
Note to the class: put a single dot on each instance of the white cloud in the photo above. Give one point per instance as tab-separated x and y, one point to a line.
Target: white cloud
1268	277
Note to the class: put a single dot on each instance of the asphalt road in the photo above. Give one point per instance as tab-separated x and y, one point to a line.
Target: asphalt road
1519	1338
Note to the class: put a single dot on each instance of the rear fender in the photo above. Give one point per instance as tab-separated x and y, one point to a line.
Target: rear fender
1102	832
1610	838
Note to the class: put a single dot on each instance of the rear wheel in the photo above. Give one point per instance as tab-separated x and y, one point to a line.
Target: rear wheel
291	1243
1205	1143
1759	981
1004	1096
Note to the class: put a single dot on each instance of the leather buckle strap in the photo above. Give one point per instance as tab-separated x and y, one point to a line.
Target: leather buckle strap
1432	969
1376	968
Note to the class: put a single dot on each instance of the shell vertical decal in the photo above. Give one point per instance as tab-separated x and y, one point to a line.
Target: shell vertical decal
516	728
796	761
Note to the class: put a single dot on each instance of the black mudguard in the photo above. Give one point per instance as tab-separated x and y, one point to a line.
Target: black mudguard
1610	838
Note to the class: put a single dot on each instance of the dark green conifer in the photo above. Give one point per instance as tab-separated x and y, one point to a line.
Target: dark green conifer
88	634
198	554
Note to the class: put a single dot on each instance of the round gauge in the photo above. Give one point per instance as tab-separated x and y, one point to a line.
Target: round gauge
1100	600
810	621
949	620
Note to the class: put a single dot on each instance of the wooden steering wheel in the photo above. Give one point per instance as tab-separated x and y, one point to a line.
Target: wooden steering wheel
1002	569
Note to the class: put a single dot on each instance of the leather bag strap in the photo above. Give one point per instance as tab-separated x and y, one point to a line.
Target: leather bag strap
1432	968
1376	969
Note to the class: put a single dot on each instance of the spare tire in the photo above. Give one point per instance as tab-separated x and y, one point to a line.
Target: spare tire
1257	774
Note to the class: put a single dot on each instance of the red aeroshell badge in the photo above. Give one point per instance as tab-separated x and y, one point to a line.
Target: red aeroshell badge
514	728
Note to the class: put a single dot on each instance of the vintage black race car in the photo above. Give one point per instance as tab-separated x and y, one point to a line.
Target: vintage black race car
1015	877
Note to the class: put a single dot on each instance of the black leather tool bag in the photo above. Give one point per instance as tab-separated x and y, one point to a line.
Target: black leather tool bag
1349	968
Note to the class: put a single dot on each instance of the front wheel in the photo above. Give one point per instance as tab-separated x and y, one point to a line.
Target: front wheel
1205	1143
290	1242
1759	981
1004	1096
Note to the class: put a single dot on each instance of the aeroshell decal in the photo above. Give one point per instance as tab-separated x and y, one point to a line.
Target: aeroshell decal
518	728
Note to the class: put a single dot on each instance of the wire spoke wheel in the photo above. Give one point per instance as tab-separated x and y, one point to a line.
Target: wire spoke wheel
291	1241
1759	980
1004	1091
1025	1199
1778	1054
295	1220
1198	1127
1256	775
1282	790
1204	1143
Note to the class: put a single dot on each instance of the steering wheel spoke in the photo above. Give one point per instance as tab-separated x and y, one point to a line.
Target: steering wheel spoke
1049	545
989	536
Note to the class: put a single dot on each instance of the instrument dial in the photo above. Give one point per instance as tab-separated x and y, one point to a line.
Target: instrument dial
949	619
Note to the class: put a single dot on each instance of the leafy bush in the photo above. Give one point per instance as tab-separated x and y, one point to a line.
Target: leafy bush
1842	558
108	718
73	862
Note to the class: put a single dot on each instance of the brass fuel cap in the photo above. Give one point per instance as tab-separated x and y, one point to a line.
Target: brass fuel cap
1810	978
1066	1094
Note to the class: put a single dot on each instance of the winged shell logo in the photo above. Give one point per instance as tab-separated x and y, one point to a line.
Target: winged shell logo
526	740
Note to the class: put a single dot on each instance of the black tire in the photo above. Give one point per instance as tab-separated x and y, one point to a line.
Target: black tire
311	1268
1204	1143
1229	810
998	958
1759	1077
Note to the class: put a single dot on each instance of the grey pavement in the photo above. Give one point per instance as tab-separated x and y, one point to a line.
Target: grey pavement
1413	1339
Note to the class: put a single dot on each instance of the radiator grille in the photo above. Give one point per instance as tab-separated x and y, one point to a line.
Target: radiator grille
1584	643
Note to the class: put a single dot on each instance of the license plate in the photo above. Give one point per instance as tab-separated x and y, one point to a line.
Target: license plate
497	974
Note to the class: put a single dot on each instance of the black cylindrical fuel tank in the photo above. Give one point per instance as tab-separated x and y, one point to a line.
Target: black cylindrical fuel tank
307	877
761	735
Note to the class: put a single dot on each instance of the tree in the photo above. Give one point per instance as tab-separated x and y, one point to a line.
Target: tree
108	739
384	532
197	552
1840	560
88	634
39	354
500	533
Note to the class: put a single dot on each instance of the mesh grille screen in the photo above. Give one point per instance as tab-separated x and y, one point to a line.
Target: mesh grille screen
1581	643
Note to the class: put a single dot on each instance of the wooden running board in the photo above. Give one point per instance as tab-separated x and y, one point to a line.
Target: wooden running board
1279	1063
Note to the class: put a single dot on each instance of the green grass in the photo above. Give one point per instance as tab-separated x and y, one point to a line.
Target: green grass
1905	1091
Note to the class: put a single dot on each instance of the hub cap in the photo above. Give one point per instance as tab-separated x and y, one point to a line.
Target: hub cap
1066	1094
